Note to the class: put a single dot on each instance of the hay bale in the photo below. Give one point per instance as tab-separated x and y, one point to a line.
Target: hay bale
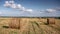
23	22
51	21
15	23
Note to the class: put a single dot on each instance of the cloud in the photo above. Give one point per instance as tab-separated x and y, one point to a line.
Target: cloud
53	10
7	4
50	10
58	9
12	4
23	9
0	12
19	6
30	10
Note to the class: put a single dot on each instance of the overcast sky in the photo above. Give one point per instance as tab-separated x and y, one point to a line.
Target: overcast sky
30	8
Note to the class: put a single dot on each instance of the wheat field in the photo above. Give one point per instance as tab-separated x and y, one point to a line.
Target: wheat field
28	26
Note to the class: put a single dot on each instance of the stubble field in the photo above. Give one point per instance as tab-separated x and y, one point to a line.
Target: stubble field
28	26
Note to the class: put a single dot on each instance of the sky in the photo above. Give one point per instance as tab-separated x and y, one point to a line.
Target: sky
31	8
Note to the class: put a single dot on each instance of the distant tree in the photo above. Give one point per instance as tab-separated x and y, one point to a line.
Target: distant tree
58	17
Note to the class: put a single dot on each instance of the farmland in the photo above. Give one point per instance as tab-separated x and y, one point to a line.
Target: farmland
29	26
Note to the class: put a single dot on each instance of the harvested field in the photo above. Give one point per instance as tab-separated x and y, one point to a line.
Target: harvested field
28	26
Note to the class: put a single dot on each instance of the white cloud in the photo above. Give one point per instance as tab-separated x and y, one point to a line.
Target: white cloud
23	9
40	12
19	6
0	12
58	9
29	10
7	4
50	10
11	4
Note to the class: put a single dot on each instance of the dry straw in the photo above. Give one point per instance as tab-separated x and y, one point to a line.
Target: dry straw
15	23
50	20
